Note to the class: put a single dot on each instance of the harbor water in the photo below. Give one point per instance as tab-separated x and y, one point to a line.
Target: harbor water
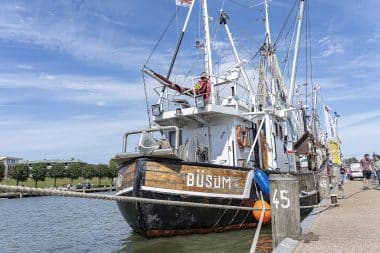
57	224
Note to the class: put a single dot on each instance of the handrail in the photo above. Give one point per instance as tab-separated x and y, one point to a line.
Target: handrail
156	129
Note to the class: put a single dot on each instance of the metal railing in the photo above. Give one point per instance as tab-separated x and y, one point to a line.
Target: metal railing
156	129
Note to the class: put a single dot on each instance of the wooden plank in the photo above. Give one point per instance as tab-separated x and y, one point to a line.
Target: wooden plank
128	174
195	178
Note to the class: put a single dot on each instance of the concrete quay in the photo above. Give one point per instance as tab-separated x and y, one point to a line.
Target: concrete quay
353	226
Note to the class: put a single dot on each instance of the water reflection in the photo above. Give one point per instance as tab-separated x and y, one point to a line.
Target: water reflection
235	241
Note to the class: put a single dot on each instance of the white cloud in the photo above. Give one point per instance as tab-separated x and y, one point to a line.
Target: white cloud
81	89
361	138
86	137
24	66
331	46
62	33
358	118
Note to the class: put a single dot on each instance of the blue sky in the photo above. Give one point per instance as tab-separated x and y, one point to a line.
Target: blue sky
70	80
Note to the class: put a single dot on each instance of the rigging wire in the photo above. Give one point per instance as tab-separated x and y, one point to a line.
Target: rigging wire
161	37
290	41
146	98
148	59
285	24
239	4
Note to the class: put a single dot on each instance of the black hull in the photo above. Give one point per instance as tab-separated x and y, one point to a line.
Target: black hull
162	220
153	220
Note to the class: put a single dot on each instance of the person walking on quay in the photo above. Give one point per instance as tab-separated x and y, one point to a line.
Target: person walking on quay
376	165
342	174
365	164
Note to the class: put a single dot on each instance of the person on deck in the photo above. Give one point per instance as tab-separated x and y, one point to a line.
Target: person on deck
203	87
365	165
342	174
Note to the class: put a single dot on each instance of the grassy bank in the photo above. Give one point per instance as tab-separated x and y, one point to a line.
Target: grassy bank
49	182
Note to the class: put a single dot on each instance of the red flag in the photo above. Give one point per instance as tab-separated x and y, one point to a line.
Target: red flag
185	3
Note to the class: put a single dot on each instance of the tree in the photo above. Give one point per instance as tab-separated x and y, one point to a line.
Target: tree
112	171
88	171
39	172
2	170
350	160
20	172
74	171
100	172
57	171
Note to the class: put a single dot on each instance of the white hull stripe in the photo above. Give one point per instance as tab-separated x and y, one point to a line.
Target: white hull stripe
191	193
125	190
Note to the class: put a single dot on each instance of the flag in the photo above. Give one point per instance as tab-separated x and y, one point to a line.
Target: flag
335	153
330	123
184	3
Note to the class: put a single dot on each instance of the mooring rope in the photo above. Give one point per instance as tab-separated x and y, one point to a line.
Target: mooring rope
50	192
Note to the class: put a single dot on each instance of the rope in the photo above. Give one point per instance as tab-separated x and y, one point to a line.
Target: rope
146	98
148	59
49	192
257	233
161	37
284	24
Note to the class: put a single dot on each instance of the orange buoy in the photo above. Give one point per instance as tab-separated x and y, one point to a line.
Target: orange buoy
257	213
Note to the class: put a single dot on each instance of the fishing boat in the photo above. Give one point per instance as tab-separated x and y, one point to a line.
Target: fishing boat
214	140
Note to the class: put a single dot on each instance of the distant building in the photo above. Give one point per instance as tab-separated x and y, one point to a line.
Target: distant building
51	162
9	163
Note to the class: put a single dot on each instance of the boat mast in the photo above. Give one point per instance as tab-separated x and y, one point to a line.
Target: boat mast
268	118
207	49
267	28
179	42
296	50
269	54
314	109
240	63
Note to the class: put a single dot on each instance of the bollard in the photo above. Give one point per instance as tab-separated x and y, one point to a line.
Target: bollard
335	178
285	207
324	186
341	190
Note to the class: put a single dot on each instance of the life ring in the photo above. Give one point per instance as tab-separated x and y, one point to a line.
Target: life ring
242	136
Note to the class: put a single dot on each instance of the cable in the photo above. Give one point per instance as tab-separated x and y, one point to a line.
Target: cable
146	98
284	24
161	37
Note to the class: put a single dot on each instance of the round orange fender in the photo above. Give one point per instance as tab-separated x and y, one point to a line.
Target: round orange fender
257	213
